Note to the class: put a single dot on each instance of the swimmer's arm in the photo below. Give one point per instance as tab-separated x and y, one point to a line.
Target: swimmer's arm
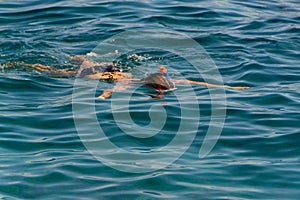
119	87
210	85
106	94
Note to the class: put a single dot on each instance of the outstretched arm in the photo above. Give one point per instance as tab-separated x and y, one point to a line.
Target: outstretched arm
210	85
106	94
120	86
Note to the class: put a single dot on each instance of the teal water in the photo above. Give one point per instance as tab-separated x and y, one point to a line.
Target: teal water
252	43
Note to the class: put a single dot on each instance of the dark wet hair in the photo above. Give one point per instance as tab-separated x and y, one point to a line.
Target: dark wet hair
158	81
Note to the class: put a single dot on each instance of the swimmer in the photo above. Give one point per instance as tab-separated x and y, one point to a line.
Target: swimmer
108	71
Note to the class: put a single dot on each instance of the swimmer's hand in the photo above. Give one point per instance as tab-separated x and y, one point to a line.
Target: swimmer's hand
106	94
101	97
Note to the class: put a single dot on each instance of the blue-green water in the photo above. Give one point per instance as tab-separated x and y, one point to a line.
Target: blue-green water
252	43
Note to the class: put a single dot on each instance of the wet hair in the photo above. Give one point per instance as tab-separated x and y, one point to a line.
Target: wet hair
158	81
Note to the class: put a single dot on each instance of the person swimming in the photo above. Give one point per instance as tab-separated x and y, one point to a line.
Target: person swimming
108	71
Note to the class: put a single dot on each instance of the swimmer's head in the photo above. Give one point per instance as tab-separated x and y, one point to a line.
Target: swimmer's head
162	69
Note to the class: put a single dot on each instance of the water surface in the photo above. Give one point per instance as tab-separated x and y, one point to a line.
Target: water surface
252	43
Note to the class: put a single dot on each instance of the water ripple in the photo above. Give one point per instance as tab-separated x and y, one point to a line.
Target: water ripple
252	43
